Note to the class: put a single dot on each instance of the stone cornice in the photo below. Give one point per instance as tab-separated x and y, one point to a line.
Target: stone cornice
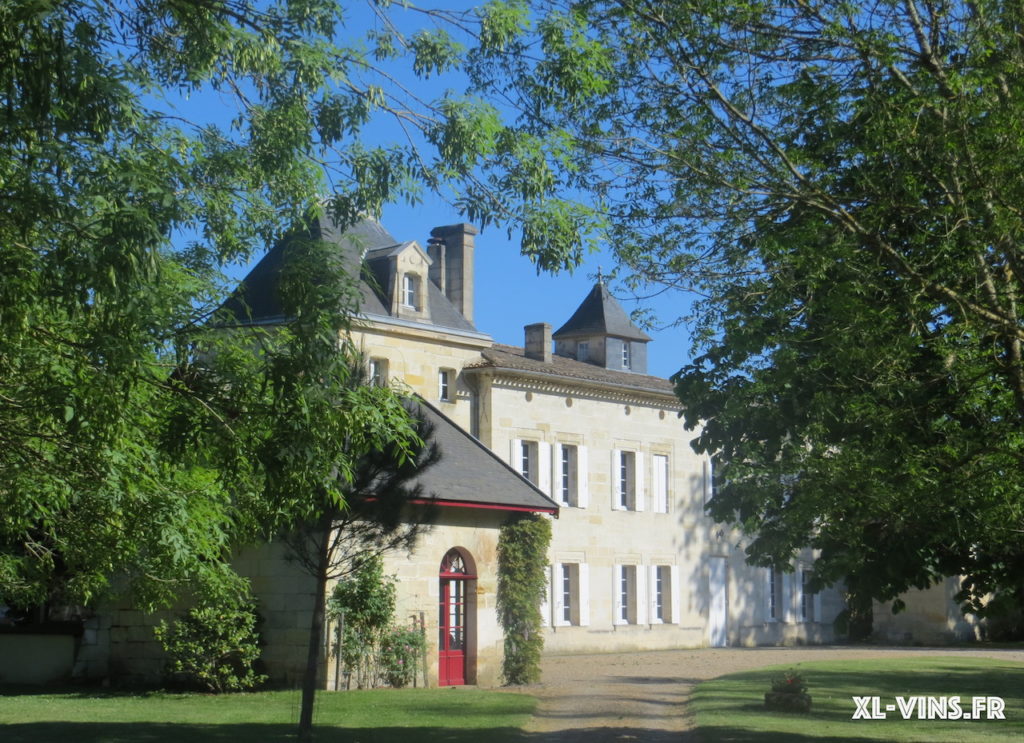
556	384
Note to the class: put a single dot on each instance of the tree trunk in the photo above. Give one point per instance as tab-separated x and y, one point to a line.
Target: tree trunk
321	537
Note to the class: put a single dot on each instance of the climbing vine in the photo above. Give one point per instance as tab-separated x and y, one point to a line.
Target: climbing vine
522	568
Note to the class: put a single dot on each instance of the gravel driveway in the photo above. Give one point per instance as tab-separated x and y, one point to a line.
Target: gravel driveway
616	697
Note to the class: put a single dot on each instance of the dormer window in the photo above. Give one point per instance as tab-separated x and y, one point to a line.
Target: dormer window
583	351
410	290
626	360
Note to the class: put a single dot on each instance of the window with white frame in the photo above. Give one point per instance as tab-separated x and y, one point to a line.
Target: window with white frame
571	599
628	592
570	476
627	481
445	380
626	357
410	290
583	351
378	372
659	482
664	594
532	459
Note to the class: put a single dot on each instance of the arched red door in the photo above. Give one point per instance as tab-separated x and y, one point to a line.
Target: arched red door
453	619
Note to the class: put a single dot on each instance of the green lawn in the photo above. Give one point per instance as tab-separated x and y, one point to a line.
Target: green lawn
731	708
384	716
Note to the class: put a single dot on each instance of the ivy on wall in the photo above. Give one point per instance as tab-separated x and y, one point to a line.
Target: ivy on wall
522	583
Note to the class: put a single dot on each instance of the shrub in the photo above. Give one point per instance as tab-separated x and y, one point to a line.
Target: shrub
213	646
400	652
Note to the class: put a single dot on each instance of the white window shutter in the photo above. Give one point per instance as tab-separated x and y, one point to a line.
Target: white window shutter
641	594
768	594
582	477
617	594
545	605
515	455
544	467
817	607
558	575
584	594
639	462
675	595
616	480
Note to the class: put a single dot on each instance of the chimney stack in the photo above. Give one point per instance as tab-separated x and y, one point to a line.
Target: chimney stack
459	247
538	342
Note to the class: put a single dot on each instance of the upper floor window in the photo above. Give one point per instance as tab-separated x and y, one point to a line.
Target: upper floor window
410	290
627	481
528	460
444	384
583	351
627	362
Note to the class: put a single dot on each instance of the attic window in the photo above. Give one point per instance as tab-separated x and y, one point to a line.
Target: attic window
410	290
626	360
583	351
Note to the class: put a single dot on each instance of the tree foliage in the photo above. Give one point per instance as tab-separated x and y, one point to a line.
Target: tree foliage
838	183
522	584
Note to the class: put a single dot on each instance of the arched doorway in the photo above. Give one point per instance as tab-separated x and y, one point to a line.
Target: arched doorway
455	617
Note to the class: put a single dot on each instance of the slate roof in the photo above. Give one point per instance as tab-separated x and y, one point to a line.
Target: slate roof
600	314
257	300
471	475
514	359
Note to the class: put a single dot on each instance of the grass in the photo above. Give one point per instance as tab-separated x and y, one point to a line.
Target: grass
731	708
381	716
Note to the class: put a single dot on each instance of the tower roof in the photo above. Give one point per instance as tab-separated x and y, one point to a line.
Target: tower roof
600	314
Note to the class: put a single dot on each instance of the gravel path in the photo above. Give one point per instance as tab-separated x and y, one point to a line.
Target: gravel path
617	697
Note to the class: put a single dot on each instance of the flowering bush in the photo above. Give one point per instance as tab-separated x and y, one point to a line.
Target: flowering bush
789	682
400	653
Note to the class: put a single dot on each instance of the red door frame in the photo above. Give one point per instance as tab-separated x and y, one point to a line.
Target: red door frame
453	619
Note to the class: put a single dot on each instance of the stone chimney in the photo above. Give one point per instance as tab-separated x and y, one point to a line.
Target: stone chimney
436	251
459	247
538	342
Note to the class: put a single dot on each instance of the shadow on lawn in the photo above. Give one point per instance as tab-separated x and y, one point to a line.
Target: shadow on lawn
152	732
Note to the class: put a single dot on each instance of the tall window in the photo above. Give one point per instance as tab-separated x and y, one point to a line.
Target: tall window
378	372
806	598
571	594
626	360
444	382
664	603
583	351
568	475
410	290
625	475
626	603
528	460
774	590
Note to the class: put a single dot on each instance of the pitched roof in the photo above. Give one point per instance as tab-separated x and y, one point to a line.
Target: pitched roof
514	359
256	300
600	314
471	475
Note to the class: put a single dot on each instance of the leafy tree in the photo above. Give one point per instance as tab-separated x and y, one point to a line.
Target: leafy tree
838	183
